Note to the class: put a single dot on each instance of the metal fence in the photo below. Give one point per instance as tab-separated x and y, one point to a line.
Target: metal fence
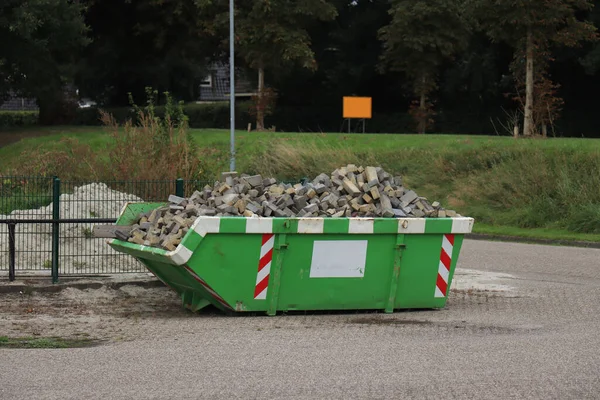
46	224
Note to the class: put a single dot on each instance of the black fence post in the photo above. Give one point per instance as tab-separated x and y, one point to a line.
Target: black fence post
179	188
55	227
11	251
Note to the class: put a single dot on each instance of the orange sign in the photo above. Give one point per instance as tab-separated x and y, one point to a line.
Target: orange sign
357	107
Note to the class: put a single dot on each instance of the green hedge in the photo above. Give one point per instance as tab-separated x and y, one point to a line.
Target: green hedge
207	115
302	119
10	119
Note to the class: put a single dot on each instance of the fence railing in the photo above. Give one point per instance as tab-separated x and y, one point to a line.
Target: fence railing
46	224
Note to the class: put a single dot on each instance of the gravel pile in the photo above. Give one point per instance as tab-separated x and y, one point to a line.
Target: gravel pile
33	241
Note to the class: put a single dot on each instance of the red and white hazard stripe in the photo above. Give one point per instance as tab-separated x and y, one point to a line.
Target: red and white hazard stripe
208	288
264	267
441	286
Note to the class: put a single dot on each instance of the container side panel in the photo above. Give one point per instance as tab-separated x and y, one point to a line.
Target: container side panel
178	279
419	272
229	264
458	241
323	272
425	281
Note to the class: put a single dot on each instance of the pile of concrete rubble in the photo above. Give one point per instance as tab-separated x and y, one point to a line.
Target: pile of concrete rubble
349	191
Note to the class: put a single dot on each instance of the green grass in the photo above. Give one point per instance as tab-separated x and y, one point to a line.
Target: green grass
535	233
528	188
44	342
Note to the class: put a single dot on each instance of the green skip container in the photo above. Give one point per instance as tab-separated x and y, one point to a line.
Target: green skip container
268	265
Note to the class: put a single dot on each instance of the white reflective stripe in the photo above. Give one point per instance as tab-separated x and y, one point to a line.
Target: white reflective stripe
438	292
360	226
262	295
263	273
206	225
447	246
310	225
181	255
259	225
462	225
267	246
411	225
443	272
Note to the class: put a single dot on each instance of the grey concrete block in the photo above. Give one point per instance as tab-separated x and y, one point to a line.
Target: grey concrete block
311	208
409	197
350	187
176	199
254	180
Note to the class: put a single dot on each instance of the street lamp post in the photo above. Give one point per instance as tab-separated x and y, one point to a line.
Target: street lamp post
231	87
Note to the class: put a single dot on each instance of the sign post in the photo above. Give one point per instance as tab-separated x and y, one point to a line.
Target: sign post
357	108
231	87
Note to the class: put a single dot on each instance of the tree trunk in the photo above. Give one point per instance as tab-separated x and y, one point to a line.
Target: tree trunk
54	110
422	91
528	128
260	107
544	130
422	111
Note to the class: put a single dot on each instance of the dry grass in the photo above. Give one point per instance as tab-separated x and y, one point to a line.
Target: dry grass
152	149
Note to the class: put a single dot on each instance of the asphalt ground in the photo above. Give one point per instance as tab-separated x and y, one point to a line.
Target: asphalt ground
521	323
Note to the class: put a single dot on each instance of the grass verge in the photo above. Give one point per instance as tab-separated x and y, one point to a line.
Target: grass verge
522	188
526	234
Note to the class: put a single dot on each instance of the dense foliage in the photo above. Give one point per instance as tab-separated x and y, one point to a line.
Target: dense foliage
458	66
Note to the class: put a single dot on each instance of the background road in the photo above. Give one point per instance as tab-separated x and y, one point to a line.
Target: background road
536	337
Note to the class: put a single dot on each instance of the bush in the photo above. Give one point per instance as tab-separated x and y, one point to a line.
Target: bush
11	119
152	148
93	116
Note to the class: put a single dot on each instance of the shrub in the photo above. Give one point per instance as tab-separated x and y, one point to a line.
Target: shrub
11	119
153	148
200	116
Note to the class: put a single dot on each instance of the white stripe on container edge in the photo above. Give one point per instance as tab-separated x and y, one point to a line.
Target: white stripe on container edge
360	226
259	225
310	225
411	225
462	225
181	255
206	225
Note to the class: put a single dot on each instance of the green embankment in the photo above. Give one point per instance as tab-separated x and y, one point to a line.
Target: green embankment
529	187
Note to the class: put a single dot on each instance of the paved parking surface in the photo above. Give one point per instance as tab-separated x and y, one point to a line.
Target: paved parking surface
523	322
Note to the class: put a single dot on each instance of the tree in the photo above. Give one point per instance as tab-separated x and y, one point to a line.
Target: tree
421	36
533	27
272	35
157	43
39	43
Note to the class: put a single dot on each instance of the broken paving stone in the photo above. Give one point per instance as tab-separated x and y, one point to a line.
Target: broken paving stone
176	200
409	197
347	191
375	193
311	208
350	187
398	213
254	180
371	176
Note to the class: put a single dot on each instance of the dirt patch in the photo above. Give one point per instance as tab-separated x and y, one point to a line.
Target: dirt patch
444	325
45	342
93	314
7	138
389	321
